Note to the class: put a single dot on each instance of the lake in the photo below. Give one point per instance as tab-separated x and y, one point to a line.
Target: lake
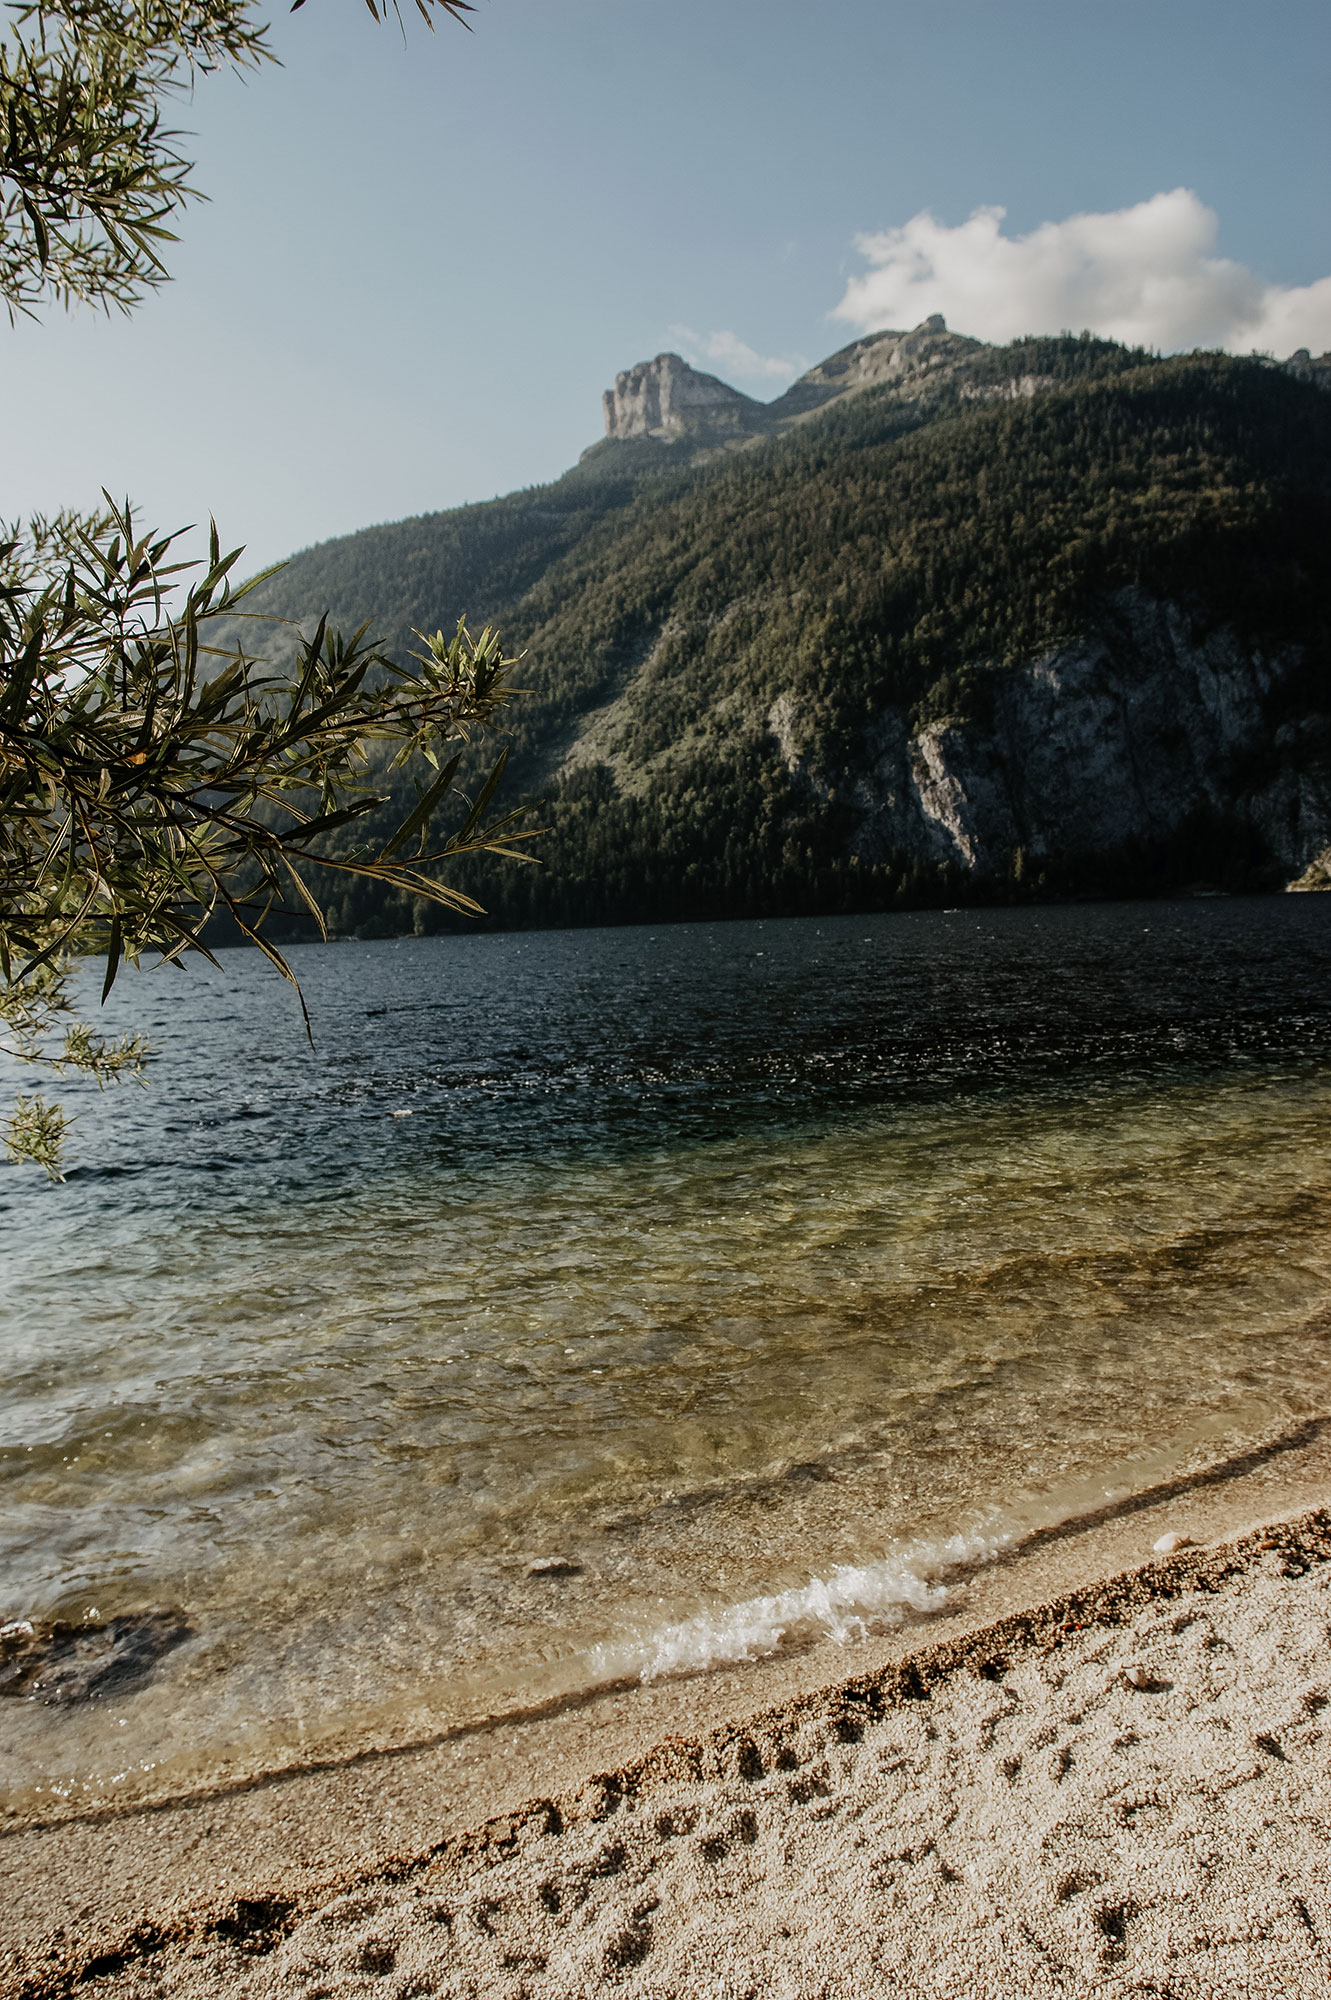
595	1304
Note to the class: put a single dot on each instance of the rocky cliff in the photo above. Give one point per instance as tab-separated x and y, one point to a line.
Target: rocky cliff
666	400
1117	740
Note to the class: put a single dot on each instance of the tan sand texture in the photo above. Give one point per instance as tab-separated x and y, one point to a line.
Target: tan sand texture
1126	1791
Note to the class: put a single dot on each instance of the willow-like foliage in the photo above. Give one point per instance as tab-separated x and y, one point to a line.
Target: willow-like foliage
150	781
151	777
92	176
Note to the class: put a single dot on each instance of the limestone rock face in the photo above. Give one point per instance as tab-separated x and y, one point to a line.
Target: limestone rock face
671	403
1013	390
890	357
666	399
1305	367
1316	876
1117	738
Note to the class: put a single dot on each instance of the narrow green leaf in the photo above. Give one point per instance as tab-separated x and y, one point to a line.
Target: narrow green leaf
419	817
112	959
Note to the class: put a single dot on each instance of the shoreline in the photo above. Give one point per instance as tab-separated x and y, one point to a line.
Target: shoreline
141	1882
959	1583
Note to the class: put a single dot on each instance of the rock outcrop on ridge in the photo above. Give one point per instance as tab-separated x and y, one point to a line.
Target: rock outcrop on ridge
667	400
672	403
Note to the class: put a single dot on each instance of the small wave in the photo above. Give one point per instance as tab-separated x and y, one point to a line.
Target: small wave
851	1602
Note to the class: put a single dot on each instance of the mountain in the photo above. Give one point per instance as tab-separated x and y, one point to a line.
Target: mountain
943	622
671	403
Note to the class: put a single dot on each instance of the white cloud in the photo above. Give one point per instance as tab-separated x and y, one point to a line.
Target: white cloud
728	351
1145	275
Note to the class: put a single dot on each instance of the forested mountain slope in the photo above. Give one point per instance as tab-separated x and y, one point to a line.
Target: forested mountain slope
1046	619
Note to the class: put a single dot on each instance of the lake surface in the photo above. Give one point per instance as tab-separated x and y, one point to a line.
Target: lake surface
763	1275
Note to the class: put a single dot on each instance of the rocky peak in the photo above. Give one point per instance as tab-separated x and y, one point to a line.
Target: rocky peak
670	402
889	357
1306	367
665	399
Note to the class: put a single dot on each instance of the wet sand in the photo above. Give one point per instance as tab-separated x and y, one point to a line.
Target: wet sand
984	1804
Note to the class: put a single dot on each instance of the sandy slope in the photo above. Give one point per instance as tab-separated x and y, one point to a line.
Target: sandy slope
1008	1814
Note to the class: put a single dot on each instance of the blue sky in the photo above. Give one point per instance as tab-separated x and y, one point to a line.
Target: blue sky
422	261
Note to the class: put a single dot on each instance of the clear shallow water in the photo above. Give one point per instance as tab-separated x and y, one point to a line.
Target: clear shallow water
765	1271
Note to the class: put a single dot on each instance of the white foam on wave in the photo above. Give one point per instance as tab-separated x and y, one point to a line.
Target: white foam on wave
850	1602
856	1599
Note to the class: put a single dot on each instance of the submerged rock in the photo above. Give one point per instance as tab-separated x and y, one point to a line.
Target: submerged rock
61	1663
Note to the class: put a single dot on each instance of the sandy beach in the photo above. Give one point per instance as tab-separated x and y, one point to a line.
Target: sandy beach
1123	1788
